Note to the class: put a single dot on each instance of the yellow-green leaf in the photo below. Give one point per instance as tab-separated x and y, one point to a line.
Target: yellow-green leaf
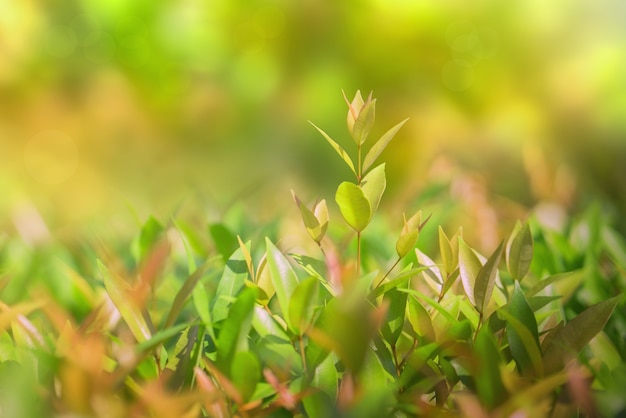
342	153
354	206
380	145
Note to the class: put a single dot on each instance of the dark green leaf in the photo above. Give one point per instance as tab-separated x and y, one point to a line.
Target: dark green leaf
570	339
392	328
225	241
233	336
487	378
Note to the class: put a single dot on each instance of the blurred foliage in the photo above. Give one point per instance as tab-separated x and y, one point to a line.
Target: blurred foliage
106	102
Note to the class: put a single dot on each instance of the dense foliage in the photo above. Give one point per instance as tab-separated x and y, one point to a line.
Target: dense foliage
222	320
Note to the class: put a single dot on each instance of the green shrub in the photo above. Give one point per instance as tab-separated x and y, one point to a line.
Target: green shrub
174	327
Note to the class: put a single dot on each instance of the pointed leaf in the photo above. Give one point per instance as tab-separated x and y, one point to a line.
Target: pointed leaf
485	280
302	304
373	186
354	206
570	339
447	255
487	377
524	349
469	266
380	145
420	321
245	373
364	121
354	108
519	251
119	290
282	275
406	242
342	153
233	336
230	284
392	328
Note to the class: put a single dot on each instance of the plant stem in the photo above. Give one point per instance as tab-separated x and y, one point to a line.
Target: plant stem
388	271
358	253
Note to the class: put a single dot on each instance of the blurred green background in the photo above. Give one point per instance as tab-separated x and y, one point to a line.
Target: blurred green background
109	104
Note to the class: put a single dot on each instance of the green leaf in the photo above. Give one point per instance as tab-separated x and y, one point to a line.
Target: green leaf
302	305
373	186
365	120
354	206
380	145
225	241
230	284
118	291
342	153
487	377
354	108
406	242
201	304
522	334
571	338
183	294
469	266
524	349
282	275
265	325
316	221
245	373
485	280
233	336
160	337
420	321
519	251
151	232
392	328
447	254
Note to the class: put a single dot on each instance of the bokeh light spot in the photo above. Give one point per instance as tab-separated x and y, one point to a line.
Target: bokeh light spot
51	157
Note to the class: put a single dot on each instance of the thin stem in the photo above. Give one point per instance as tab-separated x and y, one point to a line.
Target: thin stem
358	253
359	174
480	322
302	353
388	271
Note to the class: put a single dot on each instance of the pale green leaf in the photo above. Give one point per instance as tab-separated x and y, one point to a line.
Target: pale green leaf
342	153
519	251
354	206
282	276
469	266
233	336
365	120
373	186
119	292
380	145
